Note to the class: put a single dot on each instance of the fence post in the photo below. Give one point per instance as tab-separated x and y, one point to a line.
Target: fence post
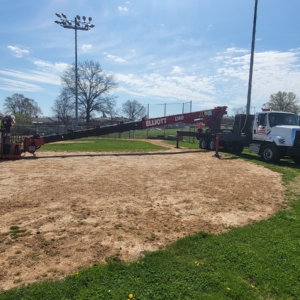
177	140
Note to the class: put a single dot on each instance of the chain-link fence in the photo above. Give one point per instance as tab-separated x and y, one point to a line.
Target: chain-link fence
153	110
29	130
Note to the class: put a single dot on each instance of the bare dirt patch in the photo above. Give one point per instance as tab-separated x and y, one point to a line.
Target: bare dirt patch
64	211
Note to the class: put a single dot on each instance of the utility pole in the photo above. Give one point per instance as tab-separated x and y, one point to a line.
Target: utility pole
251	60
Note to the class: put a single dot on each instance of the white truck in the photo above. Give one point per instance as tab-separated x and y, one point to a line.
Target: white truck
276	135
271	134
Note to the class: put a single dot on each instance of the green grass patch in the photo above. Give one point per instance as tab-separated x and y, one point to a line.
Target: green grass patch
101	145
258	261
16	232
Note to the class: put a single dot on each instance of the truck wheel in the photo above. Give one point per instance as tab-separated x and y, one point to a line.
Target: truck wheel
296	159
212	144
269	153
203	143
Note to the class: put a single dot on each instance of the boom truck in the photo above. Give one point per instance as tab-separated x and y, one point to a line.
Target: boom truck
14	146
271	134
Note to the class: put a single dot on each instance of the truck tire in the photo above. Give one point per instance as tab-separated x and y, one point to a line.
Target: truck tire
203	143
212	144
269	153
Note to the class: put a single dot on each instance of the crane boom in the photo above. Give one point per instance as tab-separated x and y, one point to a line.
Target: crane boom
12	145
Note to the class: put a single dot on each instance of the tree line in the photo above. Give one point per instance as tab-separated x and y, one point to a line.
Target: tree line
94	87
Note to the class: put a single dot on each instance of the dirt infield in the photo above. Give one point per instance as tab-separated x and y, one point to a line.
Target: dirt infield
64	211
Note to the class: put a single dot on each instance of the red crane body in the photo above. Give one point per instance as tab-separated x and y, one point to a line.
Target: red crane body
14	146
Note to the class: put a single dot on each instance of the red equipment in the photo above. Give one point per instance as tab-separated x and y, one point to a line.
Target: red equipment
13	146
210	117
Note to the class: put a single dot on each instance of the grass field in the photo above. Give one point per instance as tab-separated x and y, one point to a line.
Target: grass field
101	145
259	261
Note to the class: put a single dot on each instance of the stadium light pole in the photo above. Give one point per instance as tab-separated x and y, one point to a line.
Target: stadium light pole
251	60
75	24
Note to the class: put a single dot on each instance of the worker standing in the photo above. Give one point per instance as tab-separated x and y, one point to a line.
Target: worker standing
7	123
200	127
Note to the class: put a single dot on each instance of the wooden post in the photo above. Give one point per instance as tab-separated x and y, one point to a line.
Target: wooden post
177	140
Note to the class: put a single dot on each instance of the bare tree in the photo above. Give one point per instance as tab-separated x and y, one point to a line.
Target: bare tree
63	107
239	110
93	85
133	110
283	101
111	109
18	104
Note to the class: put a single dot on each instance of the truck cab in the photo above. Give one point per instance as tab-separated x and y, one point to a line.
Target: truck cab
275	135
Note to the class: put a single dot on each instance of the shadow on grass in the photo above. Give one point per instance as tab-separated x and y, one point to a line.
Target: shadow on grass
282	163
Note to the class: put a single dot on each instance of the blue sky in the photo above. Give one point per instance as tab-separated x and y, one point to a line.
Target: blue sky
167	52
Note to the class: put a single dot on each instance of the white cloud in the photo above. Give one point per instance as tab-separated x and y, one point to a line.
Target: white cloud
86	47
276	71
36	76
226	81
20	86
122	8
176	70
49	67
295	49
18	52
236	50
273	71
116	58
154	85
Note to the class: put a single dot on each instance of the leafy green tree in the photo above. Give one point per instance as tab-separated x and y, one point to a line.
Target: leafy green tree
93	85
133	110
18	104
22	119
283	101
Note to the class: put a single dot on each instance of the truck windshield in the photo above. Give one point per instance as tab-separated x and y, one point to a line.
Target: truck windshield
276	119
